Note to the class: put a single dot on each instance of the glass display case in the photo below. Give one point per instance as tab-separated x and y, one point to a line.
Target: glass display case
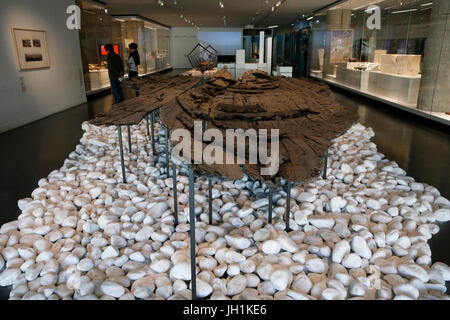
94	35
153	42
393	50
99	28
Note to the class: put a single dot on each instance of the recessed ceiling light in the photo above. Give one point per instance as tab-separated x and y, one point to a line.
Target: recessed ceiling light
161	2
403	11
221	4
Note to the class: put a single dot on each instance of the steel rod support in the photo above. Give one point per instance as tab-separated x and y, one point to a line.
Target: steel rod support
129	139
324	174
210	200
122	161
192	233
175	196
152	119
167	151
288	205
270	205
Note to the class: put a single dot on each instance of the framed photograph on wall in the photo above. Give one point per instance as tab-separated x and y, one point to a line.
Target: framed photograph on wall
31	48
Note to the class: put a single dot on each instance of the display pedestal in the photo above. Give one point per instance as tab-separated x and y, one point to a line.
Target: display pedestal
283	71
401	89
98	79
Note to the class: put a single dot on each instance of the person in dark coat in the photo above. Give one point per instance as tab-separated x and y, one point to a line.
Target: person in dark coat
133	61
115	71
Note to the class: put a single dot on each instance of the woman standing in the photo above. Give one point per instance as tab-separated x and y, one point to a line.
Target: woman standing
133	61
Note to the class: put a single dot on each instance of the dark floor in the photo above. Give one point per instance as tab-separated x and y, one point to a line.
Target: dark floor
420	147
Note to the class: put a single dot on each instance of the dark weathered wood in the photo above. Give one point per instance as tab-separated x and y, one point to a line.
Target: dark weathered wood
301	109
155	91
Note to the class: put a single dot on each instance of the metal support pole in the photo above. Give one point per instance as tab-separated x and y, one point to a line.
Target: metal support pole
148	129
152	118
122	161
210	201
288	205
324	174
175	196
270	205
129	139
192	233
167	151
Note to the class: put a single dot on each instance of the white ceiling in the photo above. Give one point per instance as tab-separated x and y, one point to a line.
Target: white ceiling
208	13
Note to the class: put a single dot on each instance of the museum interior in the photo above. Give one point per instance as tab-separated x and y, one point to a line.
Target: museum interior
225	150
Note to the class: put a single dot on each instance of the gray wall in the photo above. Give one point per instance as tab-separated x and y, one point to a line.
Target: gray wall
47	90
183	40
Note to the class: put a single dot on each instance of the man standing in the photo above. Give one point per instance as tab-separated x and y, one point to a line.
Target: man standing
115	71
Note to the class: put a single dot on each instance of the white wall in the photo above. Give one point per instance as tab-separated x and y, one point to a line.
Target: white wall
183	40
47	90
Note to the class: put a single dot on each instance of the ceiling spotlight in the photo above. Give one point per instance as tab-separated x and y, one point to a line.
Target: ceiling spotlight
278	3
106	11
267	1
161	2
221	4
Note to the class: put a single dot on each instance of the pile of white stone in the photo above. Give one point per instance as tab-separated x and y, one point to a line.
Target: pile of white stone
360	234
